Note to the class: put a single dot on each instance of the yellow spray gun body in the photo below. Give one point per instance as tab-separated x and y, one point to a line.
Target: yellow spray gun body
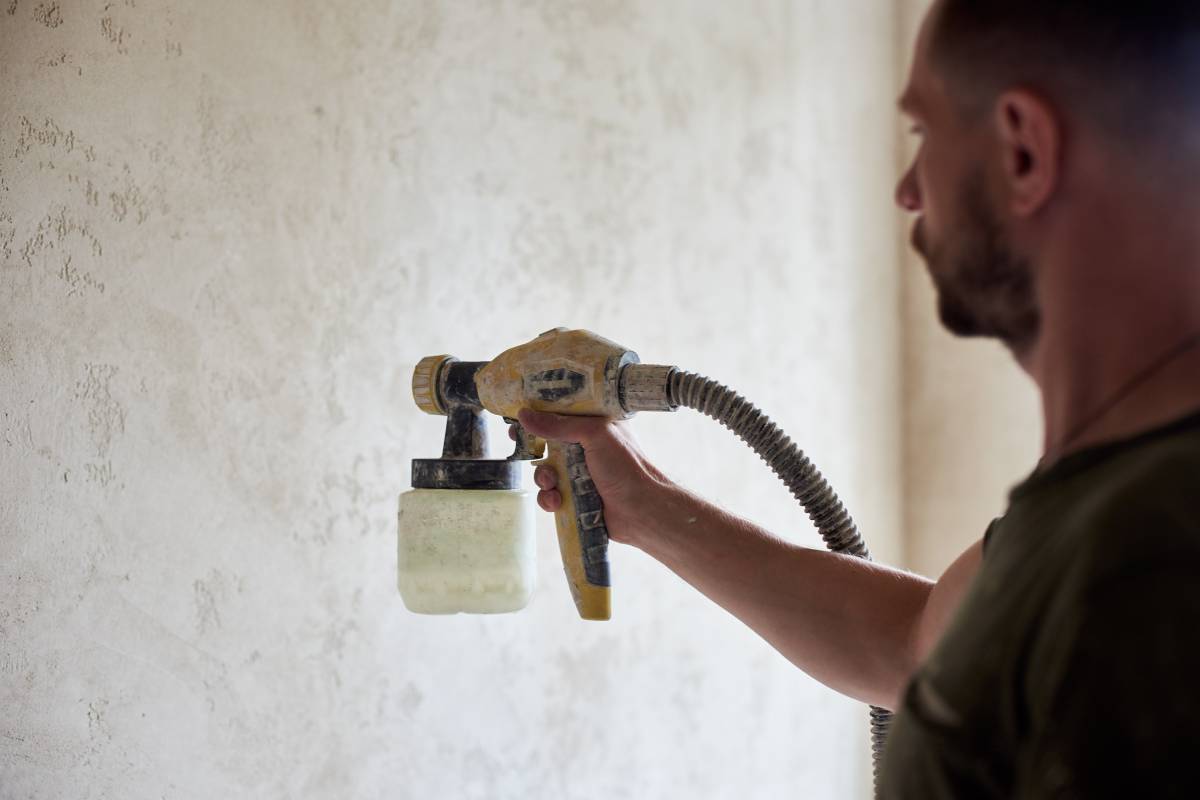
577	373
562	371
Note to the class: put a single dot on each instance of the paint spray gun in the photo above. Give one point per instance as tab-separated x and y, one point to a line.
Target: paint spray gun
566	372
466	528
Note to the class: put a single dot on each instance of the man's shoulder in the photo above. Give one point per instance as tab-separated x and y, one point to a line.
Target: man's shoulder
1139	510
1125	536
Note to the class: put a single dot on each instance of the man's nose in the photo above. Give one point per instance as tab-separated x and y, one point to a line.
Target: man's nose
908	195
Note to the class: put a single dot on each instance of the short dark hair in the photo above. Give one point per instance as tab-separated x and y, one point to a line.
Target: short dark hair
1130	65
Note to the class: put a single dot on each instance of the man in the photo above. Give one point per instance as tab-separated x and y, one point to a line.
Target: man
1058	192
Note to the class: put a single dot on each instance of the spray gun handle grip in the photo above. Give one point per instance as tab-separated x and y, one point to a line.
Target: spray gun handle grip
582	533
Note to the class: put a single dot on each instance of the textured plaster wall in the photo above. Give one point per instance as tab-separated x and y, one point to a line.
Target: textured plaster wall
972	425
228	231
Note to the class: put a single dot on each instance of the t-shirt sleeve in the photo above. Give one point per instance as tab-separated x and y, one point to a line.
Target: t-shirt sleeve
1115	700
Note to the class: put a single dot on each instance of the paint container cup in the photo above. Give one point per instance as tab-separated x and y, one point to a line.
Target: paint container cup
466	551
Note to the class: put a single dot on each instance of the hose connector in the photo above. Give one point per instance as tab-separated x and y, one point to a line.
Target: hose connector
646	387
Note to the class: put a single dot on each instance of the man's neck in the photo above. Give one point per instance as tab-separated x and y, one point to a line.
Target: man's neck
1082	410
1118	351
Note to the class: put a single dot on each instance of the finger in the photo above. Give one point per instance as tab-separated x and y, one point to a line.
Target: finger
512	432
559	428
545	477
549	500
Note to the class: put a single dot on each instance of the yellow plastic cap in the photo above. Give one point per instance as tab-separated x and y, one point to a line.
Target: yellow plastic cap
424	384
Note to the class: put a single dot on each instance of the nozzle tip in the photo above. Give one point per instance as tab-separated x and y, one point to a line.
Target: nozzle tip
424	384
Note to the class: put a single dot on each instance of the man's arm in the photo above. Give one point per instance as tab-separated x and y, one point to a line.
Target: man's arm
858	627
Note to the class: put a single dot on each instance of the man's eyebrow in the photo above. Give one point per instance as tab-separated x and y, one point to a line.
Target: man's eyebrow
906	103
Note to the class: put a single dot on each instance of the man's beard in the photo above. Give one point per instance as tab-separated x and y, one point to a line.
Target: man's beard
984	288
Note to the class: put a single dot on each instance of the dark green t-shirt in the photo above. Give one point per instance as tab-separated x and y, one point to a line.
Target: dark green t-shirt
1072	668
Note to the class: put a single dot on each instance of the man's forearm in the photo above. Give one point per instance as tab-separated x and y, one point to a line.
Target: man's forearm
848	623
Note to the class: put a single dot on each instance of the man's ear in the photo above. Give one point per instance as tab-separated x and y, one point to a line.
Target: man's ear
1030	136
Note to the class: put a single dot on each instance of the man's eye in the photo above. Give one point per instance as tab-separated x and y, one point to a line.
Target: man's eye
916	130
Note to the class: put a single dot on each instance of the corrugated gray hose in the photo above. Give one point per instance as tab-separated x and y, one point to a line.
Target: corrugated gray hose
803	480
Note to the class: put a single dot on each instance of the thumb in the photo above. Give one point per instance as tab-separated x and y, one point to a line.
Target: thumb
561	428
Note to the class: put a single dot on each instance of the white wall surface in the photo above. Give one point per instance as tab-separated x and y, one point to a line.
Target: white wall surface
229	230
972	424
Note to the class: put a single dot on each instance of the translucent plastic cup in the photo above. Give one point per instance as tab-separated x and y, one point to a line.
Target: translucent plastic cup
466	551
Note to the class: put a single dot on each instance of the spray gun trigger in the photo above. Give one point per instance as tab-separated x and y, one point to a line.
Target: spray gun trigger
529	447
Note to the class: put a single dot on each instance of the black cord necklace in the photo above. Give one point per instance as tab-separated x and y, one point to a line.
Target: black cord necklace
1124	391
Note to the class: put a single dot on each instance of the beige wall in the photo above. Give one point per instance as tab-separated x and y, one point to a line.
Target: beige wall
972	426
228	231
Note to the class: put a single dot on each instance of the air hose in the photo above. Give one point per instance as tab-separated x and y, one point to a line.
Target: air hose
804	481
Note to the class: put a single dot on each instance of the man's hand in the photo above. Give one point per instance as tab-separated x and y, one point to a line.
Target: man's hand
626	480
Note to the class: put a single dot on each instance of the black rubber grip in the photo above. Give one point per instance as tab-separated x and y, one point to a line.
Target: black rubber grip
589	513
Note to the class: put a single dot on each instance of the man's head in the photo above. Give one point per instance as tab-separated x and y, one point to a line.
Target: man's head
1005	95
